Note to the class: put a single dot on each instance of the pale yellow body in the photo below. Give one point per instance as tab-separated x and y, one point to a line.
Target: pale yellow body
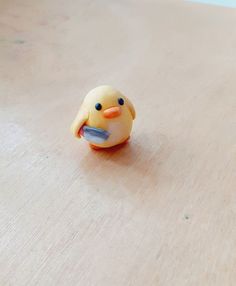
119	126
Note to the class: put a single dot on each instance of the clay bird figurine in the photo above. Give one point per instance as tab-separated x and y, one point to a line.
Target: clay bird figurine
105	118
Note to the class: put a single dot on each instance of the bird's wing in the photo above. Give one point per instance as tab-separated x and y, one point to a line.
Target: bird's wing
80	119
131	107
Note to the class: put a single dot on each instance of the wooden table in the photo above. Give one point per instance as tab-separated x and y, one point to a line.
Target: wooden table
162	209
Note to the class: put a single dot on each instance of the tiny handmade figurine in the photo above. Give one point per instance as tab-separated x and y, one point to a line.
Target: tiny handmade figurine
105	118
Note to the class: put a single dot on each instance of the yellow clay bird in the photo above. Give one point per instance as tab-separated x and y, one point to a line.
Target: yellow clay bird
105	118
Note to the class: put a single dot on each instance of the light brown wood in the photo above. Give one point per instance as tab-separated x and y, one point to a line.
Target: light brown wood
162	209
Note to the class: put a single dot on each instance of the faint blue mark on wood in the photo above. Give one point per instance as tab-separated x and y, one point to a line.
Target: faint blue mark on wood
19	41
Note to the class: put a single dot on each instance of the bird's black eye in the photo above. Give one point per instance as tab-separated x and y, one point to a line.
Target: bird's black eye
98	106
121	101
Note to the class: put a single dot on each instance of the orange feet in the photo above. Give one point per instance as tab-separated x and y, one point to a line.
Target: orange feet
95	147
126	141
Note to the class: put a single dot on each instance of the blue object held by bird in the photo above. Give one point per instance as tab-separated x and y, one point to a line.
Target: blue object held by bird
95	135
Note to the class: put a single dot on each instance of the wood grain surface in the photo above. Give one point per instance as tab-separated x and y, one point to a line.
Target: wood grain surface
162	209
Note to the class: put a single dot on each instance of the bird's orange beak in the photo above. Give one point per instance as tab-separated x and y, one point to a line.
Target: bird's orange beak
112	112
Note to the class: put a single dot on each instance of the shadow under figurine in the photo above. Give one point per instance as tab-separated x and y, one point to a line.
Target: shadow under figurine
105	118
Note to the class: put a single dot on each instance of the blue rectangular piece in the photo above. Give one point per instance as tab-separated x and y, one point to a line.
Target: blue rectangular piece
95	135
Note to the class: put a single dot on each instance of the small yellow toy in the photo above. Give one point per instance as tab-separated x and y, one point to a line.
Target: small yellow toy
105	118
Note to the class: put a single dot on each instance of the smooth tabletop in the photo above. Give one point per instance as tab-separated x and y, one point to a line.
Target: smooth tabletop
161	210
